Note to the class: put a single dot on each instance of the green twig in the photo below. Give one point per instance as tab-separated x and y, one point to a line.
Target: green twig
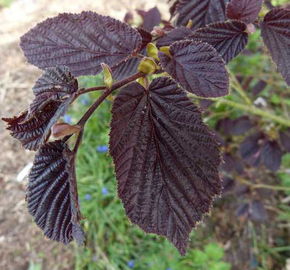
258	186
256	111
237	86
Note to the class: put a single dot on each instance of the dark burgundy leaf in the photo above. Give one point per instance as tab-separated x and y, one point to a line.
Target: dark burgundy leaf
201	12
52	193
130	66
285	139
56	84
231	164
205	103
276	36
197	67
242	190
243	210
166	159
241	125
218	137
244	10
228	185
269	4
250	149
172	9
128	17
176	34
125	69
151	18
54	91
272	155
228	38
258	212
32	133
146	37
259	87
224	125
81	42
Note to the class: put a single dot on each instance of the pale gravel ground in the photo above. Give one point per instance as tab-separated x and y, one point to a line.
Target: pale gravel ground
21	241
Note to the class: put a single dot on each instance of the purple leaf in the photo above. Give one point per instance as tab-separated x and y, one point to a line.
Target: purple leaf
276	36
176	34
218	137
201	12
81	42
241	125
228	38
228	185
166	159
285	139
173	7
52	193
205	103
243	210
32	133
56	84
244	10
151	18
146	37
129	17
272	155
197	67
250	149
54	91
231	164
259	87
258	212
130	66
224	125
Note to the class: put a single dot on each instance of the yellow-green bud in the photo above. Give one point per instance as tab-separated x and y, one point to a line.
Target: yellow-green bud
147	65
108	78
165	50
152	51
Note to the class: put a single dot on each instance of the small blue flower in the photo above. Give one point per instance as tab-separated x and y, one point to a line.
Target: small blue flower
67	118
131	264
168	269
84	101
102	148
88	197
105	191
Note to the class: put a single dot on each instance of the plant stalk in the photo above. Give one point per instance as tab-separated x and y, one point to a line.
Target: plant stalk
237	86
97	103
256	111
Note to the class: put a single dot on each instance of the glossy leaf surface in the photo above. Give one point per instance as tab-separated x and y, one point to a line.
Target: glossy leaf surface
244	10
52	195
201	12
176	34
81	42
56	84
276	36
166	159
228	38
54	91
32	133
129	67
197	67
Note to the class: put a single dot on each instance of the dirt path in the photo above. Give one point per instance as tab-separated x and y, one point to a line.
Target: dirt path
21	242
